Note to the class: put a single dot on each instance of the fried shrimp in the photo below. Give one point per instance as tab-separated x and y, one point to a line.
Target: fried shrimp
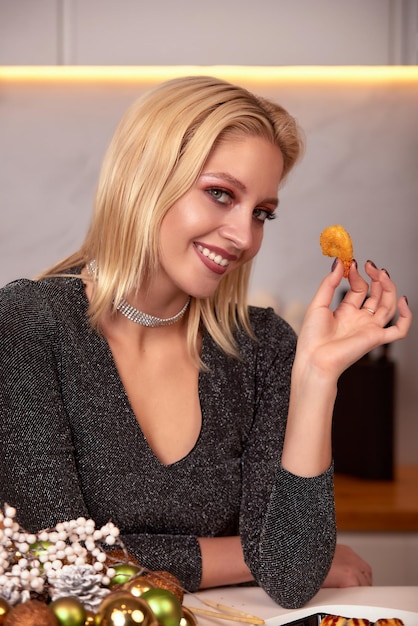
337	620
335	241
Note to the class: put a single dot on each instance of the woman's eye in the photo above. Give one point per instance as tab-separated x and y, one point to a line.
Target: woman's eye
220	195
263	214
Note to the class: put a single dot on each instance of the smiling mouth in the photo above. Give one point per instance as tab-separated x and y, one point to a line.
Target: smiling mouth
216	258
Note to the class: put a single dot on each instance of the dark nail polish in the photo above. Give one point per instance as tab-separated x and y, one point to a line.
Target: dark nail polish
406	300
386	272
334	265
355	263
372	264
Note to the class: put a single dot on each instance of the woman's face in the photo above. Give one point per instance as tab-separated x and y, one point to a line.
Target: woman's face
218	224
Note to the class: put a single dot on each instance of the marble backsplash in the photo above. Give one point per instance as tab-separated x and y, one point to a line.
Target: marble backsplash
360	169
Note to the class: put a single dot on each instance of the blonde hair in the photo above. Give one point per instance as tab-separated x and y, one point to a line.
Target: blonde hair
156	154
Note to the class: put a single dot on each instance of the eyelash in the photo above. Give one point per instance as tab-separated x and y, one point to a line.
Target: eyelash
268	215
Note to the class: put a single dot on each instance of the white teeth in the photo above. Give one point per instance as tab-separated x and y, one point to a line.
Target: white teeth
216	258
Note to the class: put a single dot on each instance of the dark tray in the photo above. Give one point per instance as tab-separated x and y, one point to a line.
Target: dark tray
312	620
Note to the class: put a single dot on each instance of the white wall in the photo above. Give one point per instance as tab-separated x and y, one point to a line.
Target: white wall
219	32
360	168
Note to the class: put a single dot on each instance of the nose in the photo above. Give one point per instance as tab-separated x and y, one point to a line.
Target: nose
238	228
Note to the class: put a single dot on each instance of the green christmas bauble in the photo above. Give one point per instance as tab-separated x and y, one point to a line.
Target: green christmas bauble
123	573
165	606
126	611
40	547
69	611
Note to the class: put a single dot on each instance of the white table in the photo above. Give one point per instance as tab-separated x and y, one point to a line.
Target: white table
369	602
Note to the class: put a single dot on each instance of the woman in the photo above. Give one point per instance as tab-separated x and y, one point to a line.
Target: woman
137	385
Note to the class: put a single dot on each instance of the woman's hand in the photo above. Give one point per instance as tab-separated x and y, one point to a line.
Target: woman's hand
334	340
329	342
348	569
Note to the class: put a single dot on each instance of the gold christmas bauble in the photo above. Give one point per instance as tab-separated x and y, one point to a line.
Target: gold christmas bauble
4	610
31	613
166	580
137	586
69	611
90	619
128	611
188	618
165	606
120	594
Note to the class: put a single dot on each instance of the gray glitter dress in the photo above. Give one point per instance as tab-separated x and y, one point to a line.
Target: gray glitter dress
71	446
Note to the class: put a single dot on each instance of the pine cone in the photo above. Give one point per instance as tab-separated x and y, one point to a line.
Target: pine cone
79	581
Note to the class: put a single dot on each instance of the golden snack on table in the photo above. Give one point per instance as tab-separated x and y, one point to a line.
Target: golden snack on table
338	620
335	241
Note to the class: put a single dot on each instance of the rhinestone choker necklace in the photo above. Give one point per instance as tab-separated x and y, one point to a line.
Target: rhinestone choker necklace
137	316
145	319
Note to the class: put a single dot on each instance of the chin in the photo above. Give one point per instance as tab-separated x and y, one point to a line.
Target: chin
202	291
202	294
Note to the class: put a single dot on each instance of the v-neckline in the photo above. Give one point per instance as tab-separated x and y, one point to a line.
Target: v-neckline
121	391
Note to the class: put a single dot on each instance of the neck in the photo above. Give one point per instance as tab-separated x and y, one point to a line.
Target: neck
134	314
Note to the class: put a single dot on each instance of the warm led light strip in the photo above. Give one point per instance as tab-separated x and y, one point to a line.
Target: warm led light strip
261	74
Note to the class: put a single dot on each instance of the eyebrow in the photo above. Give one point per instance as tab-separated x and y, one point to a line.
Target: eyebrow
234	181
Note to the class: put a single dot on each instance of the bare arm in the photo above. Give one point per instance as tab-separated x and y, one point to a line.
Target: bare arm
223	562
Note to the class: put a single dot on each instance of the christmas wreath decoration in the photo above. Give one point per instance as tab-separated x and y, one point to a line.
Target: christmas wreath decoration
78	575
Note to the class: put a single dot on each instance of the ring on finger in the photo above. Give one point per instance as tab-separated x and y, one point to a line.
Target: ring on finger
371	311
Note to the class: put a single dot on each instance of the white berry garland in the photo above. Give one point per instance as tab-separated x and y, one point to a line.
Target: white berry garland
31	563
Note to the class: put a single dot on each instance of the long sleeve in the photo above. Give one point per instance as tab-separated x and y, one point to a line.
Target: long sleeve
287	522
37	464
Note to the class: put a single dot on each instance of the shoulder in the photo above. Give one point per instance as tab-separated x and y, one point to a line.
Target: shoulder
273	340
20	296
27	303
265	321
271	332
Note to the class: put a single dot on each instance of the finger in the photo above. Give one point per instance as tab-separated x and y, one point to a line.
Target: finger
365	578
400	329
382	293
385	309
367	572
326	291
375	290
358	288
